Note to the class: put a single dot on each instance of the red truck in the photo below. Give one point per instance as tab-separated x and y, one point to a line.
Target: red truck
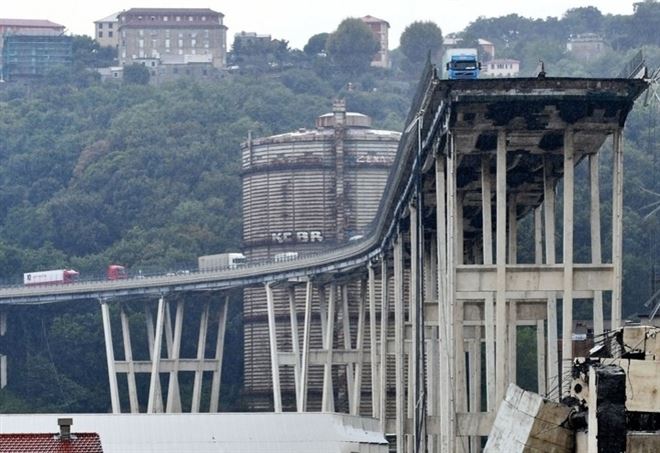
116	272
63	276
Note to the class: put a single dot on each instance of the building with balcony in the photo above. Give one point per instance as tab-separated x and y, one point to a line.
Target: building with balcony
147	34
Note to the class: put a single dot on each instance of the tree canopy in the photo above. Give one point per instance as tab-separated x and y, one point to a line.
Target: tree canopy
419	39
316	44
352	46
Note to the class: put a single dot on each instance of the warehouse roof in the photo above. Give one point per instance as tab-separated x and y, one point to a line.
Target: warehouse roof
210	433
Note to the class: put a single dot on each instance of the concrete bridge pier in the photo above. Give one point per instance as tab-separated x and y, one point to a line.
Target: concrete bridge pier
168	329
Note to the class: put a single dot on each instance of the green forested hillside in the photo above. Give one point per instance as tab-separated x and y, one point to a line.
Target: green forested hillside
148	176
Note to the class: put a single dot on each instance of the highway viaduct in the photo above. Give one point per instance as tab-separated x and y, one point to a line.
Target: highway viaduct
444	284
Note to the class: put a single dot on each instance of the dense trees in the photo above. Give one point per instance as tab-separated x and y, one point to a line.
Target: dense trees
420	39
316	44
136	73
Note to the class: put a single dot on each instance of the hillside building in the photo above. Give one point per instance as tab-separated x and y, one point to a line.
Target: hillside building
193	35
247	38
586	46
501	67
106	31
380	28
487	49
30	56
11	27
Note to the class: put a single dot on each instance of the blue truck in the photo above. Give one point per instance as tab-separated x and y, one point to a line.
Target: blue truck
460	64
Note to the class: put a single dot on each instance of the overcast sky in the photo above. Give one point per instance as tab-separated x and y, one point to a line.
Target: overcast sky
297	20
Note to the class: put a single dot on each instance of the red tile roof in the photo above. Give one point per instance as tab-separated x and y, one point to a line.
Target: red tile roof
50	443
29	23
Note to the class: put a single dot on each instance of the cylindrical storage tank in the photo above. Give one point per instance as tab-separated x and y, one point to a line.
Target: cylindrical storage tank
304	192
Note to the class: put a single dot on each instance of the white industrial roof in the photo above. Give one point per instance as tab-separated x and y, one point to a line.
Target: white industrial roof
213	433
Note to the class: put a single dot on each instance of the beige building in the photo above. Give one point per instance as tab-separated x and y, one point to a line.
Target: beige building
380	28
192	35
105	31
501	67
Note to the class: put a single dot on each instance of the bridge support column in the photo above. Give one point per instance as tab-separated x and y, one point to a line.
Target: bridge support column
487	242
346	330
110	358
567	302
274	356
540	358
512	243
154	382
446	384
307	329
399	343
500	302
328	399
373	343
201	347
596	255
3	358
219	355
384	318
128	356
617	225
359	346
174	349
295	341
553	382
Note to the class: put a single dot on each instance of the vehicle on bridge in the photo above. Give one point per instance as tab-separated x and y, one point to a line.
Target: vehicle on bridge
52	277
116	272
63	276
461	64
230	260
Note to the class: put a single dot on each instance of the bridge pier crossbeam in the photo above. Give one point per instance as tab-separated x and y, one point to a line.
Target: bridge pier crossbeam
173	364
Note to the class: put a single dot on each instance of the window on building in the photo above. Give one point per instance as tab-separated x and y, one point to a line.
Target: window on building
203	18
167	43
178	18
140	43
110	24
153	17
110	34
100	34
190	18
193	42
140	32
139	17
153	64
100	25
180	42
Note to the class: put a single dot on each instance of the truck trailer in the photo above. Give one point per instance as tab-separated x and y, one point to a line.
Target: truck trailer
52	277
220	261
